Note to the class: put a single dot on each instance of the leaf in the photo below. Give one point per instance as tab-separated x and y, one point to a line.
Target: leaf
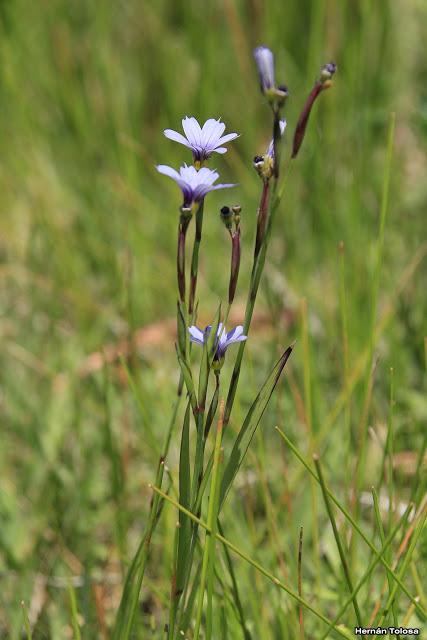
207	357
188	379
184	499
250	424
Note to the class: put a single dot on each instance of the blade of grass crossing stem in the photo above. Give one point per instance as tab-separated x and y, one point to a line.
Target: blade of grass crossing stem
133	582
406	561
209	549
250	424
354	524
337	537
309	420
73	612
360	471
27	626
369	571
382	538
343	633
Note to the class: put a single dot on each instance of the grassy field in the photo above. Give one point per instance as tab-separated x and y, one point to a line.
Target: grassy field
88	305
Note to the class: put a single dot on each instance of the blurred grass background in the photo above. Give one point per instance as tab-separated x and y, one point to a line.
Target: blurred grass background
87	257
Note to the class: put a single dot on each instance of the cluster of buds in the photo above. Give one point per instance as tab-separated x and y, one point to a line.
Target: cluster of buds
231	217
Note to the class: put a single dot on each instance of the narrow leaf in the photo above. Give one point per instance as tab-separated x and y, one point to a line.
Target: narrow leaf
250	424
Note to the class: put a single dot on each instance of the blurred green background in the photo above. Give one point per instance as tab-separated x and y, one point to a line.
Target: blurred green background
87	257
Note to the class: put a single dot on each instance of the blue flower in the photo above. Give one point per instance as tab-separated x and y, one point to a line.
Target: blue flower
194	184
203	141
223	339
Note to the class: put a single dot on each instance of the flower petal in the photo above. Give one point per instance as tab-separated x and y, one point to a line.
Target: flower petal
220	150
235	333
228	138
211	133
196	335
265	62
168	171
192	130
176	137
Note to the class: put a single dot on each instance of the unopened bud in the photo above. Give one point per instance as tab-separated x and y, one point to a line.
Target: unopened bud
227	217
236	209
264	166
327	72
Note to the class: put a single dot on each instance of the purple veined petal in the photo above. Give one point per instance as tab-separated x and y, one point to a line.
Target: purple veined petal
270	148
189	174
282	125
228	138
187	193
168	171
201	191
235	333
221	333
192	131
265	62
222	186
211	132
196	335
207	176
176	137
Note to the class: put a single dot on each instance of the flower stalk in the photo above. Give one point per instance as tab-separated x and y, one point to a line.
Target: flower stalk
324	82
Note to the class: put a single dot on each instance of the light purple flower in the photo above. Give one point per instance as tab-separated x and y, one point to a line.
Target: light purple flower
223	339
265	63
203	141
194	184
270	150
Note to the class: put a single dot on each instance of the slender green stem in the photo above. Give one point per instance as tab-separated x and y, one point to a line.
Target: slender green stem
195	258
408	556
209	548
26	621
382	538
74	612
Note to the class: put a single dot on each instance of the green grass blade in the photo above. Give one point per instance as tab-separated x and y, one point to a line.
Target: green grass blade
343	633
337	536
250	424
74	613
354	524
209	549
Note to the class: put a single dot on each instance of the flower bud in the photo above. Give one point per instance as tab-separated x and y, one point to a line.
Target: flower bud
264	166
236	209
227	217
